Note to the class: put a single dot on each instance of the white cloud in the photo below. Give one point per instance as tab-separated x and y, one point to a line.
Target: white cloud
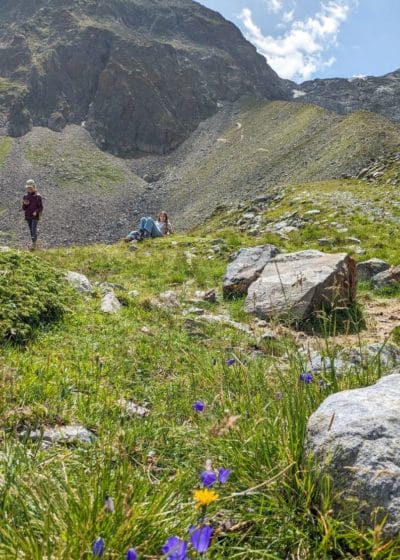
301	50
287	17
274	5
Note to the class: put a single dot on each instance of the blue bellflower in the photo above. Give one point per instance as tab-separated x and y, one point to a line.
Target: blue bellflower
208	479
131	554
223	475
201	538
306	378
198	406
175	549
98	548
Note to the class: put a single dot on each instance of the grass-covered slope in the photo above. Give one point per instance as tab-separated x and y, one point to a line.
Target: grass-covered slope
281	143
274	506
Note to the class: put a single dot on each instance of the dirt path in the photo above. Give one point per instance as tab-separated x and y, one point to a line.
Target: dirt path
381	316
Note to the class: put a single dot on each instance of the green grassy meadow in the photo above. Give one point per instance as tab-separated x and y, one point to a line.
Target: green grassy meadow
77	367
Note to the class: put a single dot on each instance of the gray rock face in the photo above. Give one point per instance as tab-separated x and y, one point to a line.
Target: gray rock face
79	282
367	269
141	74
387	277
245	268
377	94
355	435
297	285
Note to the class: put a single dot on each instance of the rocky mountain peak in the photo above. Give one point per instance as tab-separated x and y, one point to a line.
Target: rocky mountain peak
139	74
377	94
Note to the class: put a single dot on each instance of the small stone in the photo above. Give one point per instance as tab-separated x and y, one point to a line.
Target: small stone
110	303
194	311
131	408
249	216
79	282
169	299
67	435
269	335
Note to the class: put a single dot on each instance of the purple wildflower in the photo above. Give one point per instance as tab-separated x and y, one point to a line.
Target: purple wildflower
278	395
230	362
98	548
175	549
306	378
131	554
208	479
223	475
201	538
198	406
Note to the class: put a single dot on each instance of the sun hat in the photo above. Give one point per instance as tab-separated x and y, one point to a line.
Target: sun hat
30	184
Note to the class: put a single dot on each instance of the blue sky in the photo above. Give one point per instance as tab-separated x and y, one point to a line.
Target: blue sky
306	39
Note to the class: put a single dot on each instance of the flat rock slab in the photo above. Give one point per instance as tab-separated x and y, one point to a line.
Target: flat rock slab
295	286
67	435
245	267
355	436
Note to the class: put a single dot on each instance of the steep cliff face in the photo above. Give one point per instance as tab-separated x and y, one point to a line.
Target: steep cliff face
376	94
141	74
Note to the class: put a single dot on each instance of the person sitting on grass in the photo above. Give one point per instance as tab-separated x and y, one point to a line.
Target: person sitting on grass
148	228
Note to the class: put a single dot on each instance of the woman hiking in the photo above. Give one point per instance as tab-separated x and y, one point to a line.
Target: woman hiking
32	205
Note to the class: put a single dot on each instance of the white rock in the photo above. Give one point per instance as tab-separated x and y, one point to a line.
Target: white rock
79	282
110	303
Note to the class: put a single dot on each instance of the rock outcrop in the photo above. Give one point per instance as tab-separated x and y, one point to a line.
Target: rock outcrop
355	436
387	277
296	286
139	75
367	269
377	94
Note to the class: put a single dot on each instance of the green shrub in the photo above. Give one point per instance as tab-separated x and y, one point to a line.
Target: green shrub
31	294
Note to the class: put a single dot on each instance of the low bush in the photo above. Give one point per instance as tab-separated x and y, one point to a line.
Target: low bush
31	294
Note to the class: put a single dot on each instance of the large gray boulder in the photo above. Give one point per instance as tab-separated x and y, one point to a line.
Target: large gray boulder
246	266
355	436
295	286
367	269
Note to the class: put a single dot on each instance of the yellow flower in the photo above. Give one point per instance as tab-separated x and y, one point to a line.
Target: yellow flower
204	497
